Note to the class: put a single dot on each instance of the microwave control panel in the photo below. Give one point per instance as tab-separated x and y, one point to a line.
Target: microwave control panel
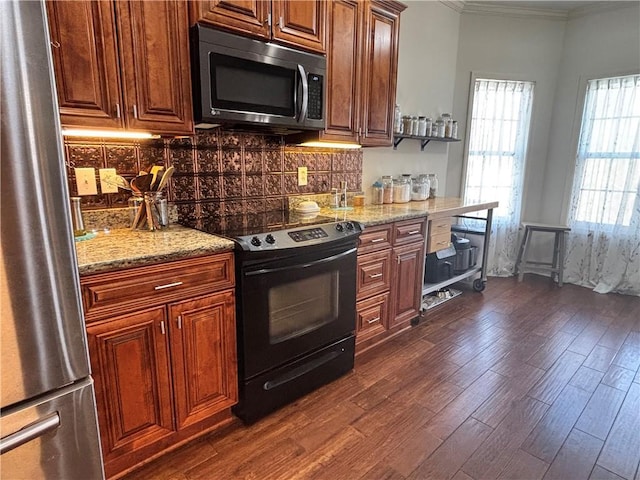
315	96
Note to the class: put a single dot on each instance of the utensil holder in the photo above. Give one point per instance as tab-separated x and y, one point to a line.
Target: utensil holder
151	211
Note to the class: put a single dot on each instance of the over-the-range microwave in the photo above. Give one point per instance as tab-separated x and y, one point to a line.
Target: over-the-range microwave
239	80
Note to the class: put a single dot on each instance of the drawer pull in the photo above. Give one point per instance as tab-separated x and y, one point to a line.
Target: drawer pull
376	240
179	322
375	275
373	320
162	327
413	232
168	285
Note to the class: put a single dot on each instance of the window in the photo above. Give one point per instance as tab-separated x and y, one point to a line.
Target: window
497	144
607	174
500	117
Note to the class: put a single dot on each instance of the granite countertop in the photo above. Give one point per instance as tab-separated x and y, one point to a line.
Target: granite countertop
123	248
371	215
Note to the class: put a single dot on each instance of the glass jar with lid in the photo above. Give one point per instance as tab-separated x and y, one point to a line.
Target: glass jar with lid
387	189
422	126
397	121
419	188
401	190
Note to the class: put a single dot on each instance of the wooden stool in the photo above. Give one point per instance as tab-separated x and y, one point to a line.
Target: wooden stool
556	266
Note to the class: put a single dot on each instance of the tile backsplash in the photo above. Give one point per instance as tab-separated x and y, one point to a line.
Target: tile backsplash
218	173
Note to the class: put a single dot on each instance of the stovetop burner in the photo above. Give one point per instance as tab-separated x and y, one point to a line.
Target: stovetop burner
279	229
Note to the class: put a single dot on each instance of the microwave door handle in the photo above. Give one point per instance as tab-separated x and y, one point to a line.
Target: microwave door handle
305	94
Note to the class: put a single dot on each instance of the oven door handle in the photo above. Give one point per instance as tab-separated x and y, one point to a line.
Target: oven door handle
301	265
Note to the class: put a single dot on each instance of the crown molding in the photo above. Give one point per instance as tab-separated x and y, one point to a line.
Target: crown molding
600	8
455	5
483	8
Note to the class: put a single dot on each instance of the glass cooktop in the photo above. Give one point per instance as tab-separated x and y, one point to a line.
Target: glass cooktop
235	226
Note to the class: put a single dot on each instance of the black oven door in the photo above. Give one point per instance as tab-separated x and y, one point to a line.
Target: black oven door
293	305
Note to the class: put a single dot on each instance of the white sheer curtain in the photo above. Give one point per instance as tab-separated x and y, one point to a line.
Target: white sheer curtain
603	250
496	159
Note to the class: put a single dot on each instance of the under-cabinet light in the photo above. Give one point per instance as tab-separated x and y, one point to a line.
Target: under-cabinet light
320	144
77	132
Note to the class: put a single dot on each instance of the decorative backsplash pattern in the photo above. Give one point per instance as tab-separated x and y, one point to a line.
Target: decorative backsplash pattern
217	173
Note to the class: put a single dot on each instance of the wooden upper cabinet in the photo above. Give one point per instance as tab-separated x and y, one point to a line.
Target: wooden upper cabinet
85	59
300	23
155	65
362	60
343	70
241	16
122	64
380	70
295	23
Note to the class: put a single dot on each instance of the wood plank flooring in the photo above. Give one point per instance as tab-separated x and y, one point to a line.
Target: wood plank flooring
524	381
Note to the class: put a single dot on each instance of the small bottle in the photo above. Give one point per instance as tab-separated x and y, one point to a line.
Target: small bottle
343	193
397	121
387	184
433	185
377	193
76	218
422	126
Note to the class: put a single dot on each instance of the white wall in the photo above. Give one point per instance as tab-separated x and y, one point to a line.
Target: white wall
597	45
523	48
426	71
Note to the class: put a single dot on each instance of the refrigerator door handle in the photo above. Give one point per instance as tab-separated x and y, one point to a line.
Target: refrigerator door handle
29	432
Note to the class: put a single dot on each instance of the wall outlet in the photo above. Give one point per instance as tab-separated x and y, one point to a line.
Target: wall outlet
86	181
108	180
302	176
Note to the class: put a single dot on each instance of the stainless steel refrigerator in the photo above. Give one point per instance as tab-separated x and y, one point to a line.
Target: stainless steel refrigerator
48	424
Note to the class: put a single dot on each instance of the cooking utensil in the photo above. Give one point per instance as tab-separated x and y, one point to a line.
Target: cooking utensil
156	171
168	173
143	182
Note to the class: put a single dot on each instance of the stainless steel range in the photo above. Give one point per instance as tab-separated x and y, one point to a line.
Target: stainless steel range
296	293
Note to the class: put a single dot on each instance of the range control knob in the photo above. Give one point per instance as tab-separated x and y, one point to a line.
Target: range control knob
269	239
255	241
339	227
349	226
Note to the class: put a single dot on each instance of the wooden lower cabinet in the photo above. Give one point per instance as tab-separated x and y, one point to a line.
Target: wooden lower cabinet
389	280
163	374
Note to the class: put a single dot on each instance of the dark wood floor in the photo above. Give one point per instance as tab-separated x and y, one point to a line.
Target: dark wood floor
524	381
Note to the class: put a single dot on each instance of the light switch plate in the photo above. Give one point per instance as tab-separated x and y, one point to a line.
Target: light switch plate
302	176
86	181
108	180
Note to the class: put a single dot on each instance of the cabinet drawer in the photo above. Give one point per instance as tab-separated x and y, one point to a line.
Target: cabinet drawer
374	273
409	231
438	242
106	294
440	226
375	238
372	317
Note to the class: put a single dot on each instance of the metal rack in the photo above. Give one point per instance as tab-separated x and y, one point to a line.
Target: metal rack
479	283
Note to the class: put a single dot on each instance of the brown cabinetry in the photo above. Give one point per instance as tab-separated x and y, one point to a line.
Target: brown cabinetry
439	234
295	23
164	371
362	60
122	64
389	280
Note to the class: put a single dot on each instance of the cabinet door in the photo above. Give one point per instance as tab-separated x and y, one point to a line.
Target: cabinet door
300	23
380	65
203	343
248	17
85	60
343	70
130	364
406	289
154	42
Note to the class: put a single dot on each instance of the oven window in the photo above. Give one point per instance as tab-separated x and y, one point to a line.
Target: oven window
298	308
